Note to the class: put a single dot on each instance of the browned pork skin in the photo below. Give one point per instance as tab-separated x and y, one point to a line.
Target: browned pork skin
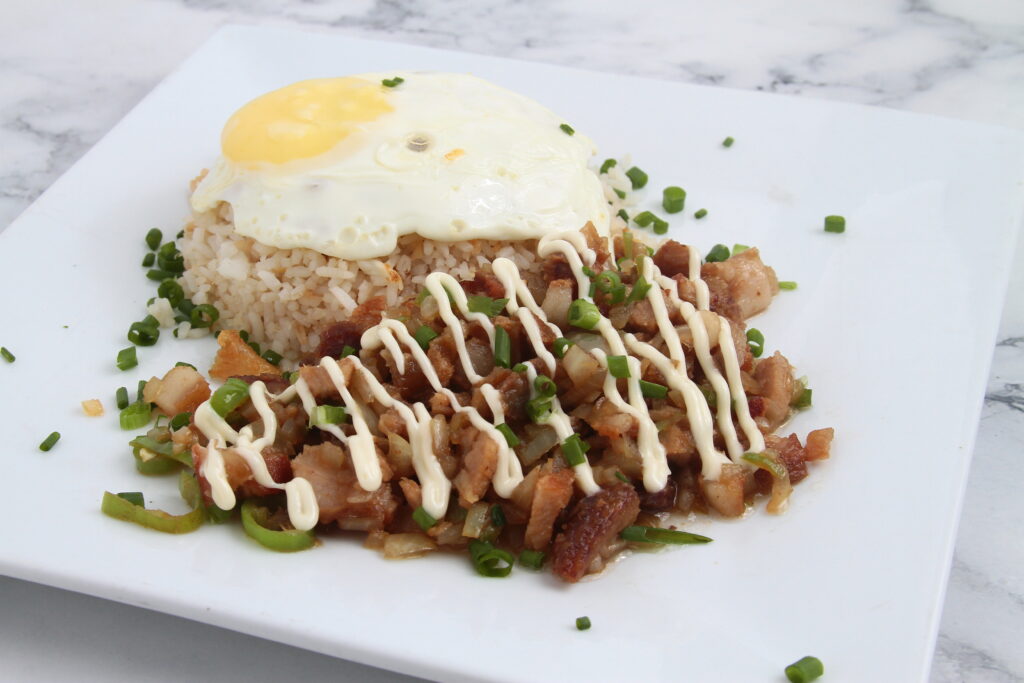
329	471
595	521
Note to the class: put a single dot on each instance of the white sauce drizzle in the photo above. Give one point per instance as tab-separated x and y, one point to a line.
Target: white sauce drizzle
393	336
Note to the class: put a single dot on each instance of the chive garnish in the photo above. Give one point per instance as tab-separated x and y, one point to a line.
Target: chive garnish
8	356
620	194
153	238
560	346
122	398
490	561
673	199
618	366
172	291
835	224
532	559
637	177
609	282
623	215
608	164
700	213
179	420
567	129
502	348
49	441
545	386
660	226
126	358
640	289
203	315
135	415
519	367
423	518
497	516
148	260
622	477
229	396
584	314
756	341
329	415
255	346
158	275
728	142
804	670
143	333
787	284
644	218
272	357
582	623
650	534
574	449
653	389
423	336
510	437
392	82
719	252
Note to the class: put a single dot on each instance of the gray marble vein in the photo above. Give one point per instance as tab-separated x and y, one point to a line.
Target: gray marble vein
71	70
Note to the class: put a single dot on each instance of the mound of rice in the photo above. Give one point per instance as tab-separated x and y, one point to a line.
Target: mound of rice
285	297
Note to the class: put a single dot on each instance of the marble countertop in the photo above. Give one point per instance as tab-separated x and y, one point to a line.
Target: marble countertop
70	71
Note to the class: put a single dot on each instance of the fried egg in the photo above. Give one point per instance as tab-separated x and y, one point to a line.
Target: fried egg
345	166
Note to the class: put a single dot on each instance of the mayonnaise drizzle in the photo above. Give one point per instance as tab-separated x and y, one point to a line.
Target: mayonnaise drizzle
393	336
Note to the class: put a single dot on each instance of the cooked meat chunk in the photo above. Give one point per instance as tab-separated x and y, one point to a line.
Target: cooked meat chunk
819	442
776	386
478	466
594	522
551	495
329	471
337	336
513	393
181	390
791	455
750	283
726	495
240	477
673	258
236	357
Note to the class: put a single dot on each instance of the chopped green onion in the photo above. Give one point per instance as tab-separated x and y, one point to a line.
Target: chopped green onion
497	516
622	477
172	291
644	218
545	386
244	335
423	518
142	334
186	307
126	358
532	559
538	409
637	177
124	508
627	244
700	213
180	420
620	194
584	314
650	534
254	519
140	388
181	233
424	335
623	215
229	396
739	248
490	561
567	129
510	437
660	226
728	142
49	441
719	252
582	623
122	398
272	357
574	448
805	670
519	367
486	305
835	224
135	415
710	397
673	199
618	366
329	415
8	356
756	341
148	260
787	285
347	350
203	315
502	348
653	390
774	467
640	289
158	275
560	346
608	164
803	400
153	238
392	82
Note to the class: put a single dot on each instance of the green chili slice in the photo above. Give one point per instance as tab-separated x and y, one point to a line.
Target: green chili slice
773	467
254	519
124	509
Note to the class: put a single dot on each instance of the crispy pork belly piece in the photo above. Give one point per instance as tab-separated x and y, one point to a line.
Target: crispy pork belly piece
659	501
236	357
594	522
726	495
819	443
478	466
750	284
335	337
791	455
596	242
240	477
673	258
484	283
181	390
329	471
319	381
551	495
774	376
513	393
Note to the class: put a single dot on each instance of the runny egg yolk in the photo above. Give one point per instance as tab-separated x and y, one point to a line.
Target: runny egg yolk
302	120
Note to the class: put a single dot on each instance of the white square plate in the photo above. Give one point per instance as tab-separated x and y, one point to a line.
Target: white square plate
893	323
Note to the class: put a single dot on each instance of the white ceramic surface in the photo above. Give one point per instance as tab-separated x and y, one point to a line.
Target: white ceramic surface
854	573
